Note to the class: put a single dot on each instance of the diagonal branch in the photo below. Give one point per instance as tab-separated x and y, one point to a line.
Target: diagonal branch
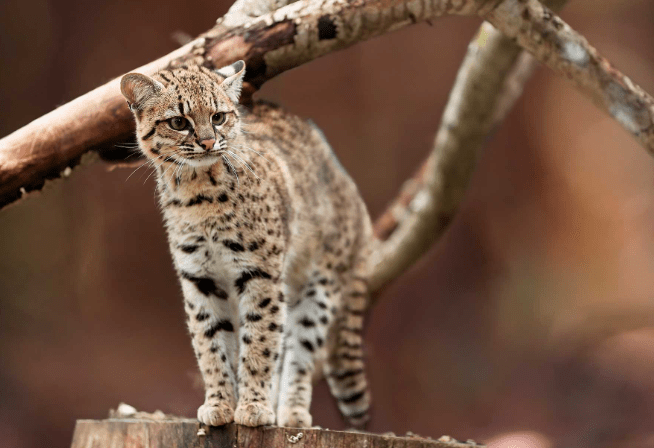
555	44
271	44
490	80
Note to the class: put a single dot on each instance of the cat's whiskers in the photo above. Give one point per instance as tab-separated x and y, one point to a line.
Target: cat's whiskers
241	147
148	162
243	162
173	163
232	168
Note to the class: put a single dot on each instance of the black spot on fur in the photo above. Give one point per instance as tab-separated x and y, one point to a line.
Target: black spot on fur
252	317
274	309
324	320
306	322
189	248
233	245
347	374
352	398
272	326
149	134
306	344
264	303
253	246
202	316
249	275
223	198
199	199
247	340
206	285
266	353
222	325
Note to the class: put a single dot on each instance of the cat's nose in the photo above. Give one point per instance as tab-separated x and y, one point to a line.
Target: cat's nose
208	143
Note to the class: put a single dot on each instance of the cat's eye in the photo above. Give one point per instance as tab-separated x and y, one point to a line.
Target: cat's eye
178	123
219	118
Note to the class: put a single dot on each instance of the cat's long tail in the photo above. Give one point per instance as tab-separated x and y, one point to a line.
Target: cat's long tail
345	369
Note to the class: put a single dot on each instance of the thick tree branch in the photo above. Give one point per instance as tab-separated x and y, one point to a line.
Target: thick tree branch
271	44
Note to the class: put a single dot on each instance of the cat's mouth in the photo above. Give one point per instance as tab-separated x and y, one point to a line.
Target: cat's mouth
199	159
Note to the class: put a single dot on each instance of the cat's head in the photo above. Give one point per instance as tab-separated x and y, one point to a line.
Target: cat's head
188	114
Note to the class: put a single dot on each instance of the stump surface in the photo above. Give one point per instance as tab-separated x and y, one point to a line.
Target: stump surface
188	433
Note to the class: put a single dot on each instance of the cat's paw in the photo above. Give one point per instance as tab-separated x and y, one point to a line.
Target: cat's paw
254	414
215	414
294	418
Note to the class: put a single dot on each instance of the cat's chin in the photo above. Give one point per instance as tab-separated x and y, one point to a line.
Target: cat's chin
201	162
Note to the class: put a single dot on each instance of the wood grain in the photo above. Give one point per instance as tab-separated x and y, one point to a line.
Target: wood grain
183	433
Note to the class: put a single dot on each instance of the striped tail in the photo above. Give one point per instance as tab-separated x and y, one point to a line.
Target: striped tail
345	368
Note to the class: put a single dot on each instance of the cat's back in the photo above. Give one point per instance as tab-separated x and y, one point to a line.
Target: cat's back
328	215
308	164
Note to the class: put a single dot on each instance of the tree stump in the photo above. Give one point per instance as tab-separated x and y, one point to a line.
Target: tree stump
174	432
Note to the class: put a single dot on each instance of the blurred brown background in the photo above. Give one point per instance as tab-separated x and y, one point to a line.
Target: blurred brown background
533	317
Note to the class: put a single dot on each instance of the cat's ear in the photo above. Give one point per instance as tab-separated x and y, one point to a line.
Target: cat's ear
234	79
138	88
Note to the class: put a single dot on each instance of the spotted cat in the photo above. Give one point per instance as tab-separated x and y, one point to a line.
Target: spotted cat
269	237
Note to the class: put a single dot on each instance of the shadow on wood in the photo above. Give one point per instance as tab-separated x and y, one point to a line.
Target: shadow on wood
186	433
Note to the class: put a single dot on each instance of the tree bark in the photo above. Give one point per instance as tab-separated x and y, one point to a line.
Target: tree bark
489	82
184	433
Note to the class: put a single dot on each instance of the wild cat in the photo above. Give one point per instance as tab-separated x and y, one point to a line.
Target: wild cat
269	237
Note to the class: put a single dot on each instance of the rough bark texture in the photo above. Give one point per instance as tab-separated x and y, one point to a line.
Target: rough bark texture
490	80
541	32
183	433
271	44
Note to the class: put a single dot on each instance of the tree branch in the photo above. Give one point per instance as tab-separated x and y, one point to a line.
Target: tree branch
271	44
488	83
565	51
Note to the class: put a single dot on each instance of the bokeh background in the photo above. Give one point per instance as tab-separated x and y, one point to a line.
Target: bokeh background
531	320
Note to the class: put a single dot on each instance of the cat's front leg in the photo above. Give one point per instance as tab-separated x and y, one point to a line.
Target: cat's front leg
214	342
262	311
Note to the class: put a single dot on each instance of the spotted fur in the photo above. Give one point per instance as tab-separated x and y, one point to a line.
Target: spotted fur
269	237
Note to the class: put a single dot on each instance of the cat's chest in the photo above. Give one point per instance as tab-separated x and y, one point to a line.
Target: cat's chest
222	230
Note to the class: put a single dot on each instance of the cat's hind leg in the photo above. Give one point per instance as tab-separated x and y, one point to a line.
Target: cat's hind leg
345	367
